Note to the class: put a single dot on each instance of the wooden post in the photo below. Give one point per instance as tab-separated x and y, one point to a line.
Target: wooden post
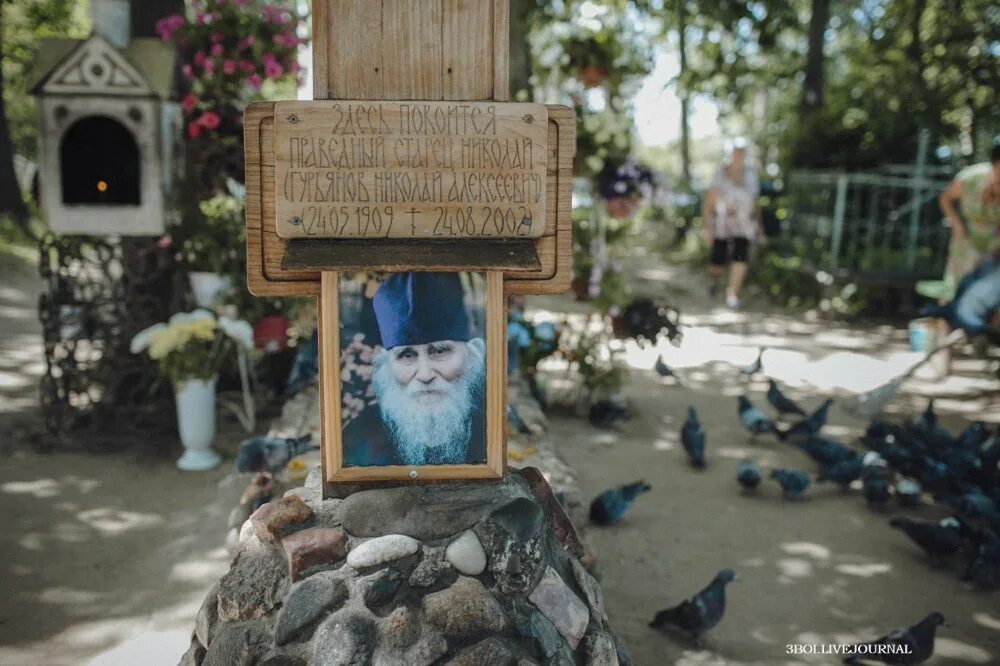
405	50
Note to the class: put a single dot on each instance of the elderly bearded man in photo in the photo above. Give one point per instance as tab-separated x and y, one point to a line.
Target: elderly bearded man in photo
429	380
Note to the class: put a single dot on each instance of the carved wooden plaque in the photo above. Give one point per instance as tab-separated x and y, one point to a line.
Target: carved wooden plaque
434	170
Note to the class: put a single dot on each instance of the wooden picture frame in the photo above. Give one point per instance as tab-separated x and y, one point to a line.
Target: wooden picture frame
335	470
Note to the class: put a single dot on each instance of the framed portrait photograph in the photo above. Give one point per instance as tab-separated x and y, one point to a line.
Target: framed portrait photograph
413	373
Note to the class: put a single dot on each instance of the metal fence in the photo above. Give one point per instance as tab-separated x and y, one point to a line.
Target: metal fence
868	227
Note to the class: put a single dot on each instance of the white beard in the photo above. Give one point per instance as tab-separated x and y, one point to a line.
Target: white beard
423	436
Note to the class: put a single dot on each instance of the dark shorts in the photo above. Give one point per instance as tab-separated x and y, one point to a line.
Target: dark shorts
725	250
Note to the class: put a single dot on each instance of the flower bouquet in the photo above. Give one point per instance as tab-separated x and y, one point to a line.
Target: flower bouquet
189	349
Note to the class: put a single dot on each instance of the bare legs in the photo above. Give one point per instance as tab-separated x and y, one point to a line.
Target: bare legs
737	274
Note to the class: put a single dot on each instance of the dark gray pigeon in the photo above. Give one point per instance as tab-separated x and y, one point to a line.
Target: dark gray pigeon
610	506
825	451
693	438
748	475
842	473
780	401
793	482
939	539
910	645
701	612
270	454
810	425
753	420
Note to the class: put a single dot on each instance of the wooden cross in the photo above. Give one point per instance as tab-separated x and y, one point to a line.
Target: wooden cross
391	64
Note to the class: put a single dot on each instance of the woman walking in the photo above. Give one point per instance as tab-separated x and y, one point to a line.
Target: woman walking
729	213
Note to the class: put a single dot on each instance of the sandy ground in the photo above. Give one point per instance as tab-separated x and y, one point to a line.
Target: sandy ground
105	559
822	570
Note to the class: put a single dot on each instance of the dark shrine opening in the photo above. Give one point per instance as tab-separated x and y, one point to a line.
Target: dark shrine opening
99	161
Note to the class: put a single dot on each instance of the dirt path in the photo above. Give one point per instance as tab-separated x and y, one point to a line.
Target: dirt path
822	570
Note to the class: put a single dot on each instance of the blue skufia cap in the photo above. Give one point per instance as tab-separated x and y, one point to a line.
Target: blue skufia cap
419	308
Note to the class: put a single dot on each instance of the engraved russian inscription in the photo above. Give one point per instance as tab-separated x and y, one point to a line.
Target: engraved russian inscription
358	169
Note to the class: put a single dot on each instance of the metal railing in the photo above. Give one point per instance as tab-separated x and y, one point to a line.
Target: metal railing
868	226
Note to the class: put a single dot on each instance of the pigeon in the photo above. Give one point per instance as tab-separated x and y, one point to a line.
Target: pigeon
911	645
748	475
875	485
693	438
755	367
662	369
842	473
270	454
754	420
701	612
810	425
972	437
908	492
939	539
825	451
780	401
793	482
609	507
606	413
984	567
975	506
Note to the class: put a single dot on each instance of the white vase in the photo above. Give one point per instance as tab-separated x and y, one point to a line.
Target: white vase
209	288
196	423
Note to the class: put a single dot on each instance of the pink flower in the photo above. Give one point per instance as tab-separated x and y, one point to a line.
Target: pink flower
273	70
229	67
187	71
164	242
166	27
294	66
194	129
268	59
246	43
189	102
200	58
253	82
217	50
287	39
209	120
247	67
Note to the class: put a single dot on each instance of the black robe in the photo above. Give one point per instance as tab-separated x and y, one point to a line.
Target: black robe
366	443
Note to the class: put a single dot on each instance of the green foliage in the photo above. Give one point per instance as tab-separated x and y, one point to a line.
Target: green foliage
598	362
211	238
25	23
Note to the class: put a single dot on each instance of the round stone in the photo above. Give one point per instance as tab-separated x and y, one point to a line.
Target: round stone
381	550
466	554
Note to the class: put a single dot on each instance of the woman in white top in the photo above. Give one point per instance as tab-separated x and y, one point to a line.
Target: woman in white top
729	213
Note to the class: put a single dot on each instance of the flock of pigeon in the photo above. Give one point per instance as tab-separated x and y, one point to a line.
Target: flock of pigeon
905	460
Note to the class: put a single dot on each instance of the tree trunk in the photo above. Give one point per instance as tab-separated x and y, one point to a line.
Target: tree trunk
11	202
684	96
812	91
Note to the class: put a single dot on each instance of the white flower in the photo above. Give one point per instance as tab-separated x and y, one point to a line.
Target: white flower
190	317
237	329
141	340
